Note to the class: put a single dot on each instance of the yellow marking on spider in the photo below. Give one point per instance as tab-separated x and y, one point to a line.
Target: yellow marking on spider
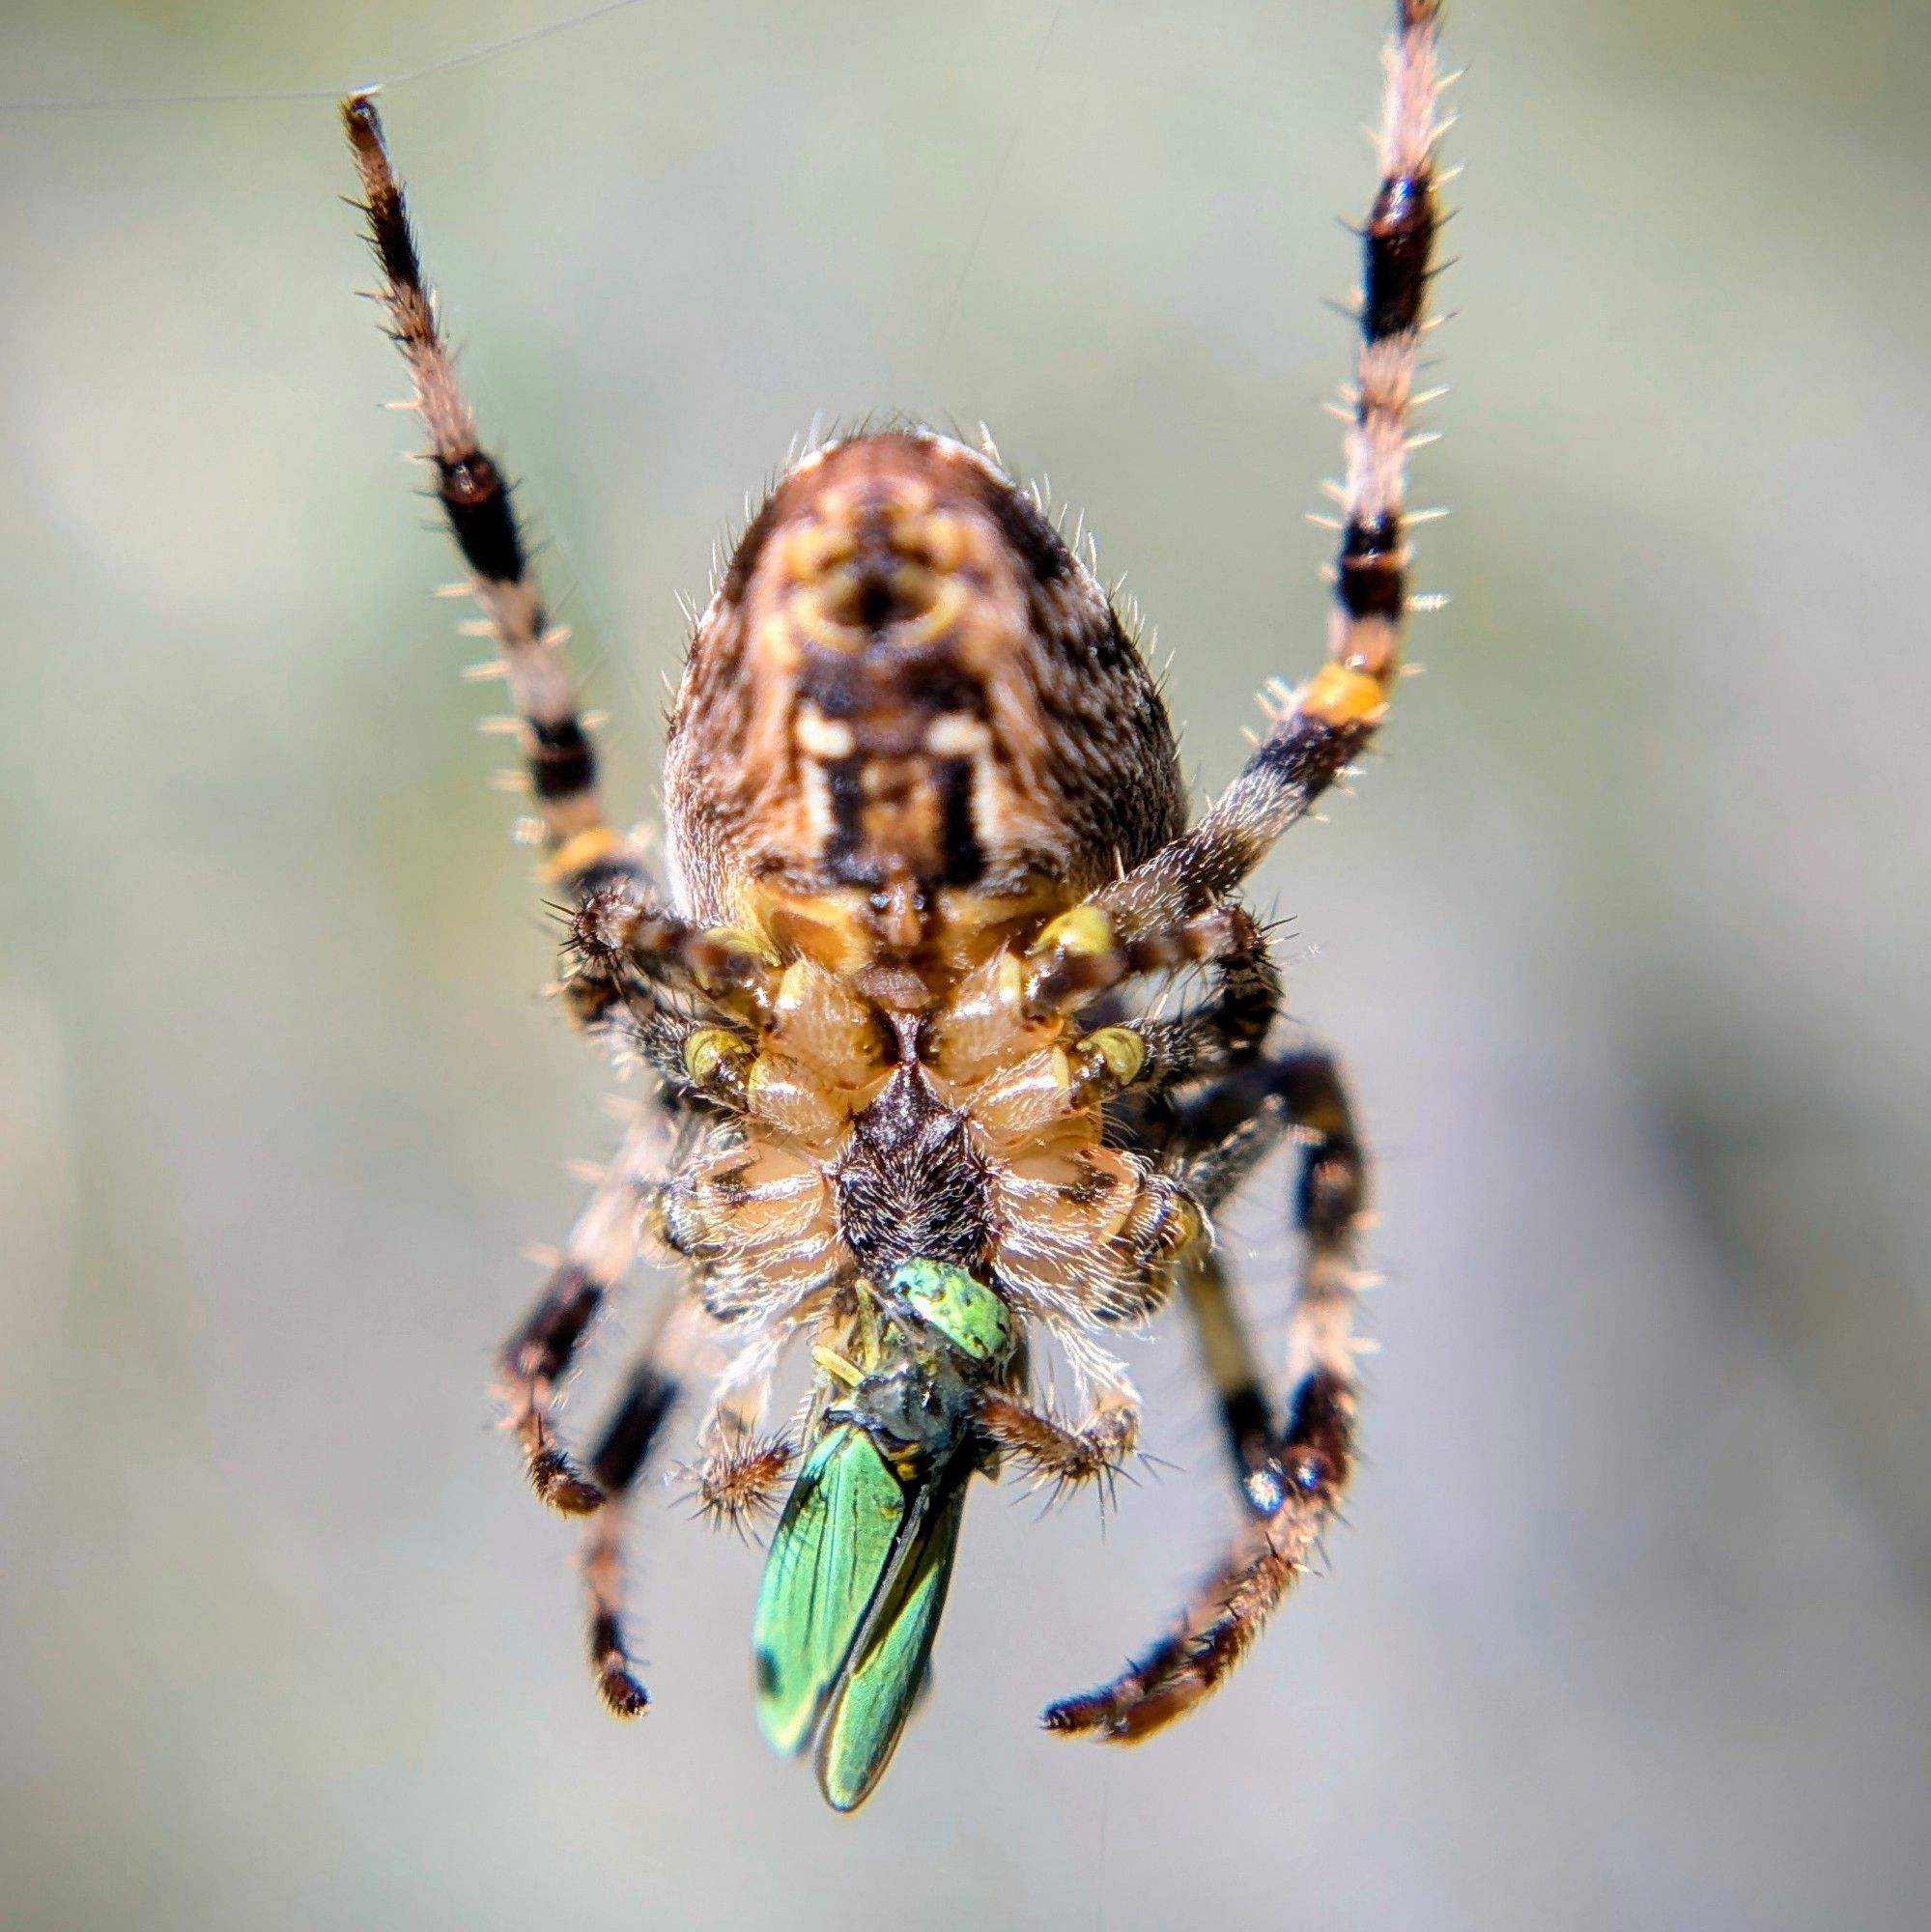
583	850
815	550
1084	931
937	539
1122	1050
741	939
1337	694
813	608
707	1049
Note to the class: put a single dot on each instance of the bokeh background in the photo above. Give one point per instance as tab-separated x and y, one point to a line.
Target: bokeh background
1626	938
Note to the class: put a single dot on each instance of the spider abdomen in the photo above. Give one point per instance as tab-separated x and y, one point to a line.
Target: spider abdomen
911	727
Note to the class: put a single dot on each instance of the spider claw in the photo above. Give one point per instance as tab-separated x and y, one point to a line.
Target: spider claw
622	1694
560	1484
1070	1717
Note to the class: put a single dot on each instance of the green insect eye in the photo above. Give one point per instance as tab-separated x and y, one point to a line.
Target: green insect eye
964	1311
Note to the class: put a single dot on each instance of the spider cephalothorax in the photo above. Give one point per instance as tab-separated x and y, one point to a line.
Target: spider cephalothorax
927	835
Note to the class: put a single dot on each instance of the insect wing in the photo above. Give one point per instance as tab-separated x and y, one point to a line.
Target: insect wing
882	1681
832	1548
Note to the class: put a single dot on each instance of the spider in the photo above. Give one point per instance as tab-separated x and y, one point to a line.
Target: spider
926	835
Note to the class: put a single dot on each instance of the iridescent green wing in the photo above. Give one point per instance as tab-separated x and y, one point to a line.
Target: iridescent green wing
831	1552
881	1682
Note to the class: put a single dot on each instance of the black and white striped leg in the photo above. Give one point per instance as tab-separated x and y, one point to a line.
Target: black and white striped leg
1291	1473
619	945
560	761
600	1251
1336	712
622	1456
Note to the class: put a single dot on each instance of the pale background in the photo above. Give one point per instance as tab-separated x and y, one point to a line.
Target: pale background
1627	941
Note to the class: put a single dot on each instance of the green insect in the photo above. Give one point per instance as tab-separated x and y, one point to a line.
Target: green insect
863	1556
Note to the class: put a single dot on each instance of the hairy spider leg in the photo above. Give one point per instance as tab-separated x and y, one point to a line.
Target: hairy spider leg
635	1426
600	1251
1170	910
1333	716
1082	957
584	850
612	923
1291	1477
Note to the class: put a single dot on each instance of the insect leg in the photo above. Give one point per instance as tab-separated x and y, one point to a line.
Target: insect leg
740	1466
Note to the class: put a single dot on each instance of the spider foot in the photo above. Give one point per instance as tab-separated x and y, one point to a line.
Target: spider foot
558	1482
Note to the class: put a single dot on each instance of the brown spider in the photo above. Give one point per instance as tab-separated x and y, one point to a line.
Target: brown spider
926	823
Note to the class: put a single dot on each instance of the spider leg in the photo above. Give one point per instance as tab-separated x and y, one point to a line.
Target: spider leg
1291	1477
1336	712
623	1451
1083	956
600	1248
1234	1367
1063	1454
622	951
627	1209
1303	1094
584	850
615	937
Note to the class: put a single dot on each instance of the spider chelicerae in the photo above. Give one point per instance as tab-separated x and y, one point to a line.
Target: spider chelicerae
927	835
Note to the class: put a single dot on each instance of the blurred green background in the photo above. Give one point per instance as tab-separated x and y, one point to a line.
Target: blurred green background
1626	939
